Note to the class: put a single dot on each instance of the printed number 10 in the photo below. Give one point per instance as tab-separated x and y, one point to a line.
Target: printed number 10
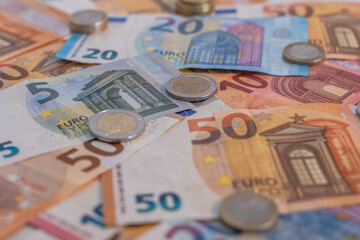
150	205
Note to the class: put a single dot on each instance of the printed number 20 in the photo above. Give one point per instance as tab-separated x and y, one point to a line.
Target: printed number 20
106	55
150	205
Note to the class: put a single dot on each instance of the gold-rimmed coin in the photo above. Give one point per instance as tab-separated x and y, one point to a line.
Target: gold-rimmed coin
194	7
115	125
248	211
304	53
88	21
191	87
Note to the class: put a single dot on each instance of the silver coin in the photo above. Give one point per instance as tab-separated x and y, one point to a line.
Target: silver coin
191	87
88	21
248	211
115	125
304	53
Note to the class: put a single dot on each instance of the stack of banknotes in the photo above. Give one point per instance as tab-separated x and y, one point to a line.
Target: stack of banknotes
290	132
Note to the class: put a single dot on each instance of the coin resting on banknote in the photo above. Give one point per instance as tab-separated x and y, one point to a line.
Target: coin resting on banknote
116	125
248	211
304	53
278	138
88	21
194	7
191	87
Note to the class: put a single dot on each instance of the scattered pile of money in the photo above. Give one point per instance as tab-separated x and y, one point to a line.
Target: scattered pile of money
174	119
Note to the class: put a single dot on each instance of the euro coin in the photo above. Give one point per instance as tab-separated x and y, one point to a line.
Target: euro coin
88	21
191	87
194	7
248	211
303	53
115	125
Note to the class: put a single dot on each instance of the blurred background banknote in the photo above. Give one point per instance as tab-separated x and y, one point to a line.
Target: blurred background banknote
206	42
54	113
305	157
330	24
42	181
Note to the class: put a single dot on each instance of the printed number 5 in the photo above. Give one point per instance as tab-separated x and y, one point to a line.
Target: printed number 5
13	150
34	90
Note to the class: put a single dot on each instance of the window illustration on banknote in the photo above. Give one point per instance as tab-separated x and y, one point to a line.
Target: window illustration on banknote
124	89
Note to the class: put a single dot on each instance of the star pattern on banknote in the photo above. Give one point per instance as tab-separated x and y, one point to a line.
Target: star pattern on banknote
61	122
298	118
263	116
209	159
46	113
12	177
224	180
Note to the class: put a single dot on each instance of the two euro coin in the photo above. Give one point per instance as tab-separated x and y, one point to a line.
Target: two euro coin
191	87
303	53
115	125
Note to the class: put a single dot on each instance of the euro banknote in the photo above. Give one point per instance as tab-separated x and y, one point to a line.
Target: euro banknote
333	25
81	217
125	6
18	37
206	42
38	14
42	181
330	82
36	64
305	157
53	113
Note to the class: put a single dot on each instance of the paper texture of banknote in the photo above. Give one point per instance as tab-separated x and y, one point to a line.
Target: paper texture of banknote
329	82
125	6
54	113
320	224
18	37
38	14
80	217
208	42
305	157
36	64
333	25
42	181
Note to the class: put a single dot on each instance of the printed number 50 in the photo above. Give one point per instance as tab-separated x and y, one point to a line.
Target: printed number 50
13	150
164	200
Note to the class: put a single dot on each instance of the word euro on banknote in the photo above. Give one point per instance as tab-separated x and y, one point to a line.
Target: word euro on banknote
305	157
44	115
199	42
44	180
332	25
